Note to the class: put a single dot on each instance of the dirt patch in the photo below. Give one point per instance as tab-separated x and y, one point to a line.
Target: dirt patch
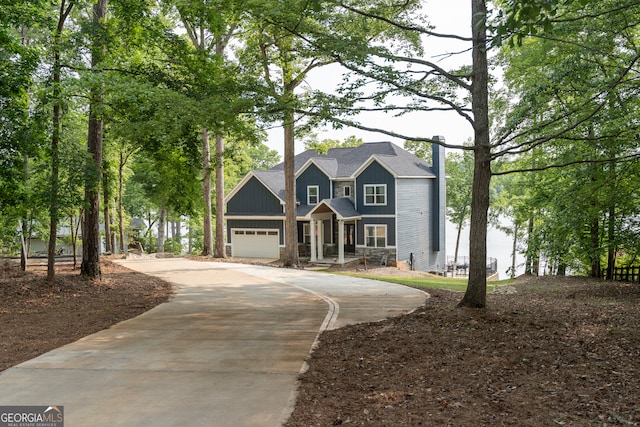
553	352
37	316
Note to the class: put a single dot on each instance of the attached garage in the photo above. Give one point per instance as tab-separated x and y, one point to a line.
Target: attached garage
255	243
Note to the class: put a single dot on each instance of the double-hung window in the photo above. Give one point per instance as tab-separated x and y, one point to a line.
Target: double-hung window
375	236
313	192
306	231
375	194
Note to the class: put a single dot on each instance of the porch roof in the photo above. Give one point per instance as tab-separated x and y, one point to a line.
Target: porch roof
341	206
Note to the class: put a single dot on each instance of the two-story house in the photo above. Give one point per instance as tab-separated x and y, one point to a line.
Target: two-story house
376	200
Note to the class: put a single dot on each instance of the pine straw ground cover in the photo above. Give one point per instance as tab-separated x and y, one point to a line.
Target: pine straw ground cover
556	352
36	316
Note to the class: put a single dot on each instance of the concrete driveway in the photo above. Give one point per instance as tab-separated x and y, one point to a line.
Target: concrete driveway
226	350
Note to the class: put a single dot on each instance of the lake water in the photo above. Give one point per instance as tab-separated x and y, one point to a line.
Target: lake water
499	246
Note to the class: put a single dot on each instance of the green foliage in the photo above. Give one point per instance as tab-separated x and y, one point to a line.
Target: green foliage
323	147
459	167
173	246
18	65
576	94
451	284
242	157
517	19
169	177
458	285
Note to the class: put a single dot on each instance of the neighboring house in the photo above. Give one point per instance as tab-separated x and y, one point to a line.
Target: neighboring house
376	200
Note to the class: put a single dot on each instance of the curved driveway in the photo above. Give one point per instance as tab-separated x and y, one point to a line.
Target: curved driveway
226	350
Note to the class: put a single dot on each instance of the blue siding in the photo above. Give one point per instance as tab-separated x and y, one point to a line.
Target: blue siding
439	198
312	176
375	174
254	199
389	222
254	223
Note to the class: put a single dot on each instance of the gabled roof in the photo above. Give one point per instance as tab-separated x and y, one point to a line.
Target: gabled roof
328	166
341	206
346	162
273	180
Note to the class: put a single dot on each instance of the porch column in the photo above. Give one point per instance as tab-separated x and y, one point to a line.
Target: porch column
340	241
312	244
320	240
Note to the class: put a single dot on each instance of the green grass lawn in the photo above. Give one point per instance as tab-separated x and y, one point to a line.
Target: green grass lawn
452	284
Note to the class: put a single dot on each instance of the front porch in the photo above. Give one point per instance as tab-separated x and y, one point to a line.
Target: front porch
332	232
329	262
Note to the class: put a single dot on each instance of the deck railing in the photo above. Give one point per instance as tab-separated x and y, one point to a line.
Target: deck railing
461	267
625	274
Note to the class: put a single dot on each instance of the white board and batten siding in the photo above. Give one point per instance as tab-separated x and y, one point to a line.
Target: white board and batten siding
414	219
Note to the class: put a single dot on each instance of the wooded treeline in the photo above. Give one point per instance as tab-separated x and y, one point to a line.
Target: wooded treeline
112	110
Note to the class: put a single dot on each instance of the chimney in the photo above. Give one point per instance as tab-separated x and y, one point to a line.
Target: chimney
439	201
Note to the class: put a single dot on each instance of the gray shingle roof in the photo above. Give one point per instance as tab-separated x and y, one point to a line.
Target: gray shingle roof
344	162
303	210
342	206
273	179
329	165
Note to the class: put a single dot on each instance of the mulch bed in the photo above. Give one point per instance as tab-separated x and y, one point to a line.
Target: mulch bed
37	316
558	351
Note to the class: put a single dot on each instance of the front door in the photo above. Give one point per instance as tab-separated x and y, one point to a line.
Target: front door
350	238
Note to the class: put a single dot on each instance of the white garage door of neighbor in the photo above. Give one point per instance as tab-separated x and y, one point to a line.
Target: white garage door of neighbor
255	243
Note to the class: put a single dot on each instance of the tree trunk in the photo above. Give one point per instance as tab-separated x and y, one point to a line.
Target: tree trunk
91	233
24	252
107	218
458	234
207	248
81	224
514	250
611	231
74	237
24	228
161	228
55	149
562	269
594	234
611	250
90	266
290	226
528	269
220	243
123	246
476	293
189	237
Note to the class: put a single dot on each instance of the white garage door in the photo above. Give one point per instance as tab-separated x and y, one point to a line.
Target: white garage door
247	243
